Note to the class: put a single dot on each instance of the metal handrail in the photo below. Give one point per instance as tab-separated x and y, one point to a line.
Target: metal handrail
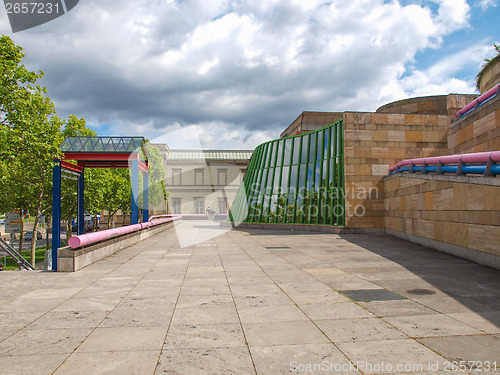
479	101
480	163
17	257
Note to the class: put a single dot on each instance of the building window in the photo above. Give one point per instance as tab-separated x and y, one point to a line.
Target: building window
222	206
199	177
199	206
176	176
222	177
177	206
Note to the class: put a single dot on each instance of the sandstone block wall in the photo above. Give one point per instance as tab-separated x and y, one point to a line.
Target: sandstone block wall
477	131
457	214
375	141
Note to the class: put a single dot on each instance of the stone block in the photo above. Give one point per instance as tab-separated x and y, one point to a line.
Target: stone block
460	196
396	135
396	119
492	239
475	197
380	169
491	199
475	234
380	135
379	118
443	199
484	124
452	142
413	136
362	135
349	170
428	200
465	134
456	234
414	153
348	152
381	152
362	170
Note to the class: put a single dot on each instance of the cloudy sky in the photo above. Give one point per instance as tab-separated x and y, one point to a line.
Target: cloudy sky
244	70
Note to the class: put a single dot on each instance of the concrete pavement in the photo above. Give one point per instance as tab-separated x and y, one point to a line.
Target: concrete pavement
247	302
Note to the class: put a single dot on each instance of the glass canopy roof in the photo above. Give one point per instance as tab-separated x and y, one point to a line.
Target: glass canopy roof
113	145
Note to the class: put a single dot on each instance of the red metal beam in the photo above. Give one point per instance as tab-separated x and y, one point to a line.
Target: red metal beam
143	167
97	156
71	166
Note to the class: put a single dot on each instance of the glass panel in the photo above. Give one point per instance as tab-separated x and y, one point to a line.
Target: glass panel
296	147
327	143
269	153
280	150
262	187
310	174
284	180
317	179
252	206
319	150
298	208
293	179
276	180
302	176
303	154
312	146
281	208
272	211
334	141
288	148
265	208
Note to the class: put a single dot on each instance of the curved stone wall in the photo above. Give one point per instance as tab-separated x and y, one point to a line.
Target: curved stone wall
490	76
428	105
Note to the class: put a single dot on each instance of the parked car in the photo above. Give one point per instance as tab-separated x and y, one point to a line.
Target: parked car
2	221
29	235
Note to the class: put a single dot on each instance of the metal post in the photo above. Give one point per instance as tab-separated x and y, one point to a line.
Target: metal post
145	197
80	208
56	211
134	215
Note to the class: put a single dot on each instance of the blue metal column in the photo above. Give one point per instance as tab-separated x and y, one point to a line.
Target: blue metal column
81	201
56	211
134	215
145	197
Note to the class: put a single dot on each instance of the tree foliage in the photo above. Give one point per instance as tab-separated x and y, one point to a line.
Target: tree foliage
30	136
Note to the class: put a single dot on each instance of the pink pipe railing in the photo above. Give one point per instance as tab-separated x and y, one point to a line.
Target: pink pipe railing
90	238
479	157
487	95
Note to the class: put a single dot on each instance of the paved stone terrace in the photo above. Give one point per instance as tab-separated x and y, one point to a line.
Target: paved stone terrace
250	302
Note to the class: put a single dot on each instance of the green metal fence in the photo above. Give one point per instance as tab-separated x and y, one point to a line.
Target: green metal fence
298	179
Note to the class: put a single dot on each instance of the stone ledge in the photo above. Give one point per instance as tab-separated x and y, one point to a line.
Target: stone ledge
72	260
303	228
477	180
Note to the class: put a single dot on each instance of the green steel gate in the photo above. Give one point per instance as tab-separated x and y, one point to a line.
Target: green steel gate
298	179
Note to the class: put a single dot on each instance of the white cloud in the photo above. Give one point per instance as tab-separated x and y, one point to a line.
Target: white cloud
247	65
485	4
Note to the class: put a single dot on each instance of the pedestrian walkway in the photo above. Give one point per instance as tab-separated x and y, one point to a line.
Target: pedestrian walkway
255	302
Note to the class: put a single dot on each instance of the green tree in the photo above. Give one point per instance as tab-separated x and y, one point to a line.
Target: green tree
116	192
28	135
157	191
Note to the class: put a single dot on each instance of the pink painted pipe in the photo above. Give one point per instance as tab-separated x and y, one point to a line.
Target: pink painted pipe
478	157
488	94
86	239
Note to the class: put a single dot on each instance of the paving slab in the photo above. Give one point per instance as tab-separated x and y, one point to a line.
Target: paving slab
252	302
